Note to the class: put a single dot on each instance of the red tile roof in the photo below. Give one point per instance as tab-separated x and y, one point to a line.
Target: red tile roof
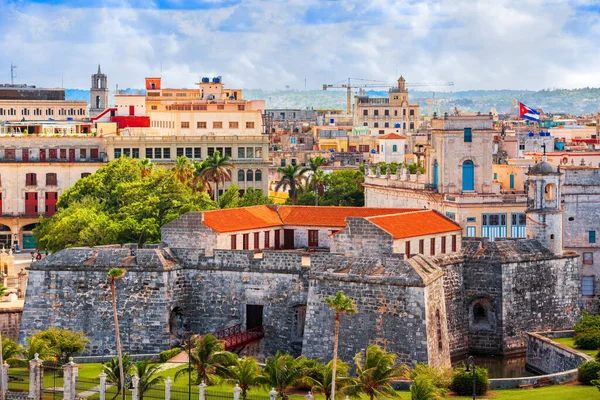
416	223
391	136
241	219
330	215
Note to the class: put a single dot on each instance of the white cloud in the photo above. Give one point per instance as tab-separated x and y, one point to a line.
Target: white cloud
483	44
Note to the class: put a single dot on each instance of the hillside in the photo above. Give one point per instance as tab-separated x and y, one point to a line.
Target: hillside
570	101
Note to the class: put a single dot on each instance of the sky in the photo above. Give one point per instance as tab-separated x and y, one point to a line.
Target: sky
271	44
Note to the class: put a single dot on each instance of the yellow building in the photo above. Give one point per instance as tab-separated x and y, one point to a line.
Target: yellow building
381	114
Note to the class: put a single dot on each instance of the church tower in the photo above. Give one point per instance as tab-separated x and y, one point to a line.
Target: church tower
98	93
544	213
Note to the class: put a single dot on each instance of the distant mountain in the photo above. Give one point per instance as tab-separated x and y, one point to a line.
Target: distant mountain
569	101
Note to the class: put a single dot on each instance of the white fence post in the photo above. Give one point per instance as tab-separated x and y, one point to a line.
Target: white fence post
273	394
70	372
35	378
102	386
236	392
202	387
168	384
134	391
4	379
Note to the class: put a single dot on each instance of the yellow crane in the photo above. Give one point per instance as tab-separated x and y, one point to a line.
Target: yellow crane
379	84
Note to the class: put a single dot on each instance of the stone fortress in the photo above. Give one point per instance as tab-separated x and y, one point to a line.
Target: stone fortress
422	291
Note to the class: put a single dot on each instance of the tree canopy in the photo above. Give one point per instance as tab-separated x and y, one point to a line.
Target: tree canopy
123	202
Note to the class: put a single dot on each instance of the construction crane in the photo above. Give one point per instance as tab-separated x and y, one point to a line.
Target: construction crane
380	84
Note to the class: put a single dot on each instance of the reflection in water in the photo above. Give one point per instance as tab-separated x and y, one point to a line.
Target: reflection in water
498	366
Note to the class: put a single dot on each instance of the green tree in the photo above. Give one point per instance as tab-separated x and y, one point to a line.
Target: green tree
341	304
208	355
147	167
230	198
11	350
316	181
183	169
244	372
39	346
282	371
344	188
216	170
254	197
148	376
374	372
320	380
291	179
114	274
83	223
112	369
63	343
3	290
423	388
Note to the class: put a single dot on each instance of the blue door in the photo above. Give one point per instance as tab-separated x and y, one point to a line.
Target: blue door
512	181
468	176
435	174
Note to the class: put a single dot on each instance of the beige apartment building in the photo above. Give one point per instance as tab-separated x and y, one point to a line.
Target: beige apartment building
392	114
36	168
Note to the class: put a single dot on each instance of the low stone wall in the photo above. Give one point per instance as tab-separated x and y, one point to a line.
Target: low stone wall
548	357
10	321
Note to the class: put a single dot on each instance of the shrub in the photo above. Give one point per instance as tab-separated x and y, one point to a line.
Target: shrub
423	388
441	377
588	371
462	381
588	322
587	340
166	355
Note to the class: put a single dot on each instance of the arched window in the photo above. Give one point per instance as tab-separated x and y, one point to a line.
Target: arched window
249	176
258	175
241	175
404	111
468	175
412	125
85	174
550	191
51	179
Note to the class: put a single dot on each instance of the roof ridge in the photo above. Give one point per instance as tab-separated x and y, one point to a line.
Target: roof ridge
394	214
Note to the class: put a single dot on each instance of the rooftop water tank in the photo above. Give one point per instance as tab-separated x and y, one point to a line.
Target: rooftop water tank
205	80
231	97
396	125
530	134
216	80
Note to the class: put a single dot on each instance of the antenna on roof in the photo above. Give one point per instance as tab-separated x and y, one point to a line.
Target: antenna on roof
13	74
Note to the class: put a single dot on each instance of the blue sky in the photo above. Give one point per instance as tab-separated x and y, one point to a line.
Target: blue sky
478	44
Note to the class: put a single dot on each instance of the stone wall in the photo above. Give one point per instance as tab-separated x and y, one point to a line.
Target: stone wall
10	321
546	356
361	238
189	232
393	302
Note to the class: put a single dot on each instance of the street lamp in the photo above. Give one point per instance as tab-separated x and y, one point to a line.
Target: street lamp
471	368
188	335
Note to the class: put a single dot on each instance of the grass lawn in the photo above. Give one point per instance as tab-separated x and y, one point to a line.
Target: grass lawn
557	392
570	342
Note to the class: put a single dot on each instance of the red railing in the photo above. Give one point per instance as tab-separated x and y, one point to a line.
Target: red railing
235	338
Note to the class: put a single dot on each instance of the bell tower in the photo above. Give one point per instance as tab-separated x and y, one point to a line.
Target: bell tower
98	93
544	213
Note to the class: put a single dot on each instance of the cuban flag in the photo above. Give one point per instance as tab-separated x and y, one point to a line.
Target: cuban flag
528	113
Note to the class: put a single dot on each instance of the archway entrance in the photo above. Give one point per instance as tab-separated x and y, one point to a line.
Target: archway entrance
5	236
28	239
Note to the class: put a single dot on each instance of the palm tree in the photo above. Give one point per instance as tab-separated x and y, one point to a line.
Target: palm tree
282	371
317	183
423	388
147	167
39	346
183	169
11	349
341	304
374	373
208	355
114	274
244	372
199	182
113	369
147	374
3	290
216	170
320	378
291	178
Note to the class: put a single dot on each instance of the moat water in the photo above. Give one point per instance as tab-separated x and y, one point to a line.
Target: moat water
498	366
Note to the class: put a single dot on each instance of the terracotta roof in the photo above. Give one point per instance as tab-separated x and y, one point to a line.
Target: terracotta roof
330	215
241	219
391	136
417	223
